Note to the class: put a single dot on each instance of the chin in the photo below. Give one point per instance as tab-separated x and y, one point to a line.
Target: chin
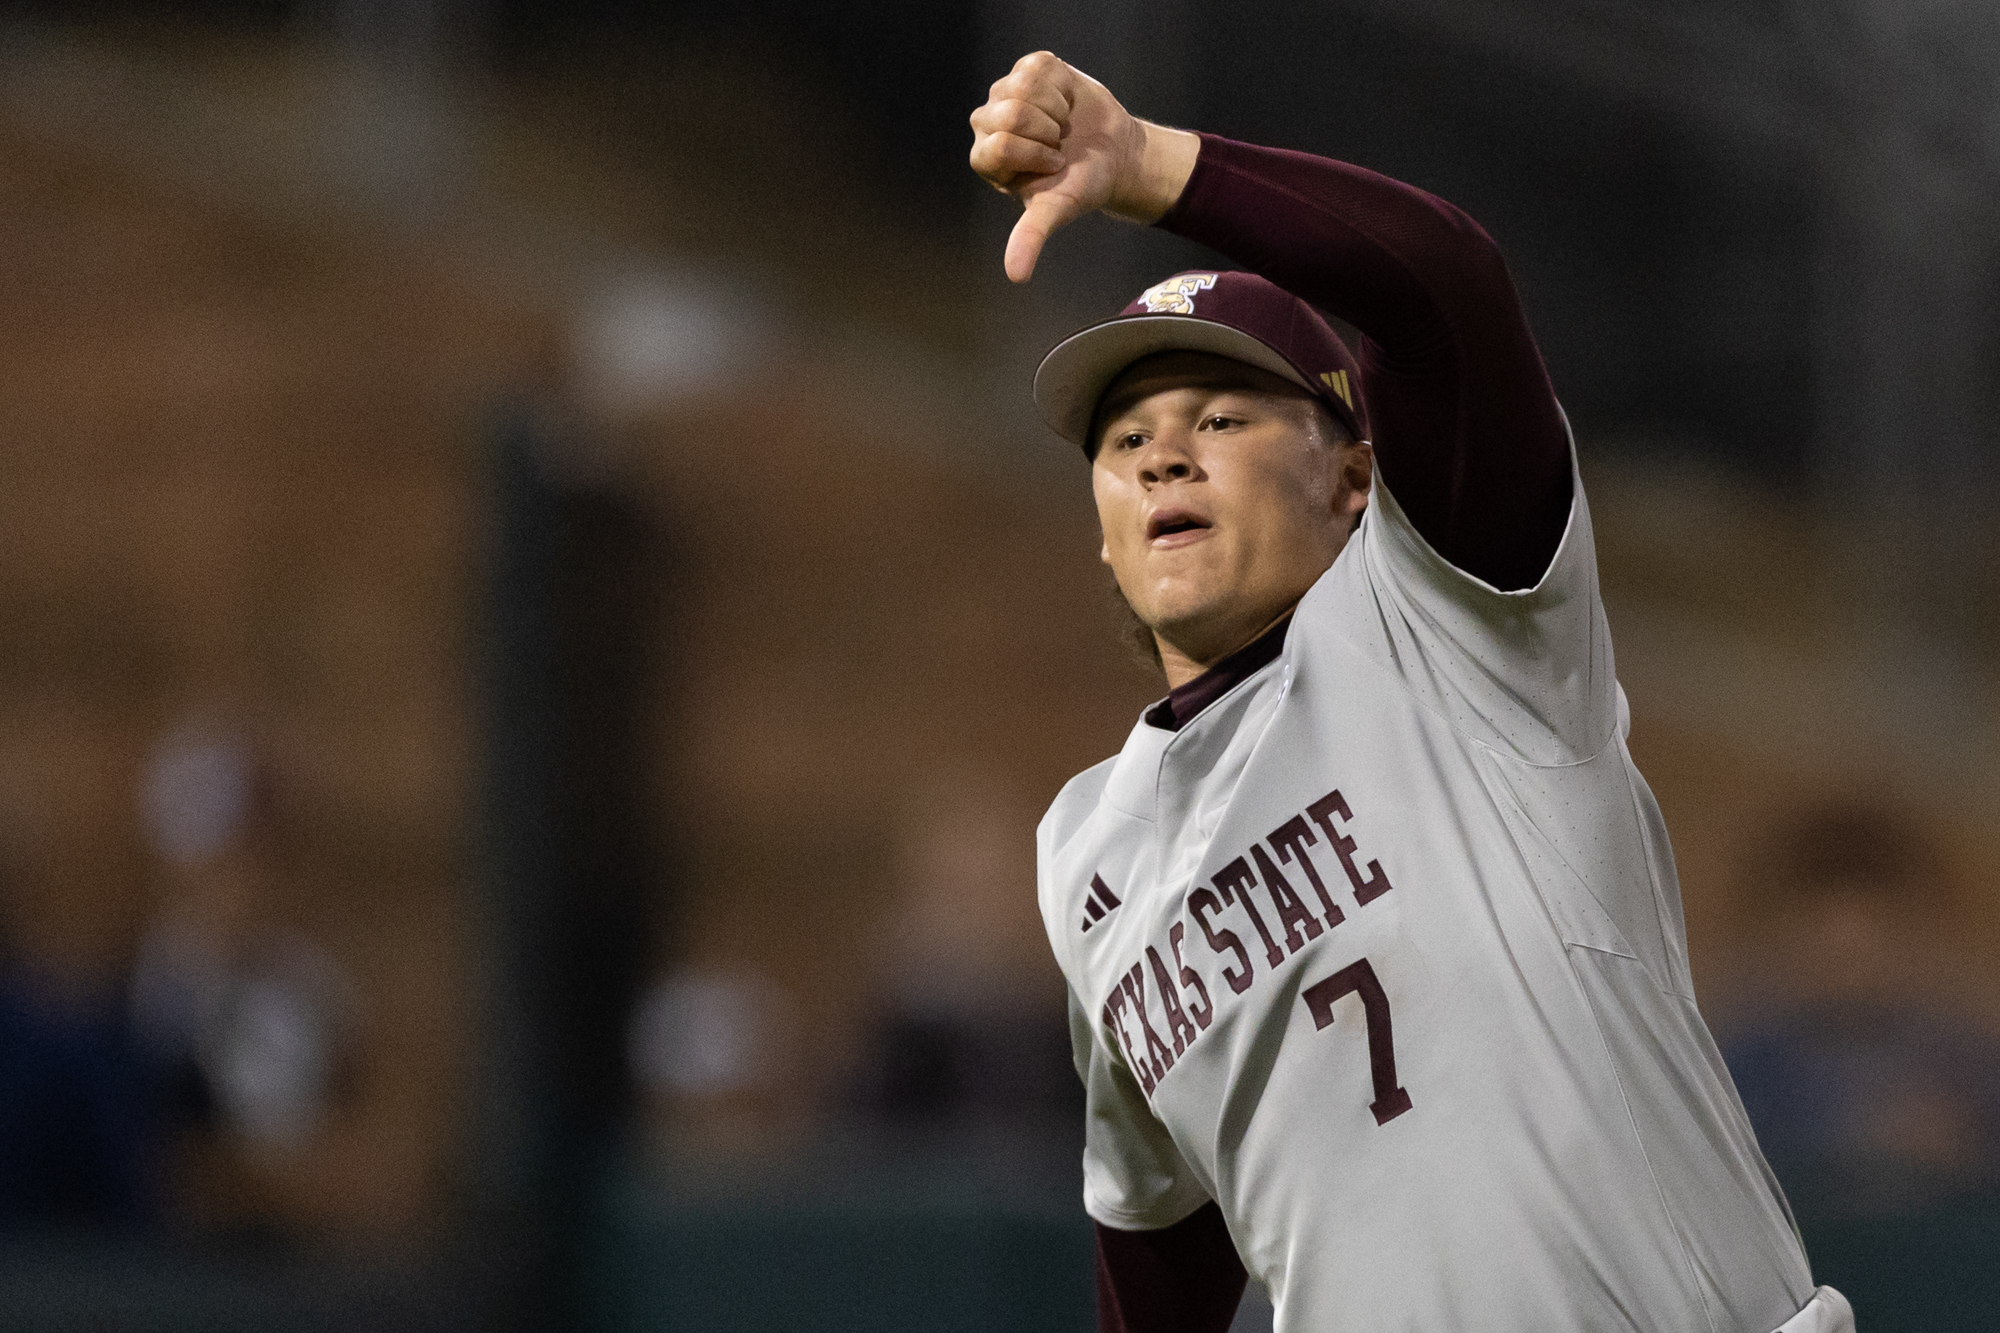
1176	607
1209	627
1188	627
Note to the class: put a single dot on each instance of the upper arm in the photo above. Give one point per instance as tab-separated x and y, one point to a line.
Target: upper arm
1459	404
1526	672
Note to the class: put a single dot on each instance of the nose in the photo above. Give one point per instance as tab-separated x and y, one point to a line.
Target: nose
1167	458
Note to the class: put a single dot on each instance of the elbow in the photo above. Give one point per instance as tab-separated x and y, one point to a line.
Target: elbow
1478	253
1472	276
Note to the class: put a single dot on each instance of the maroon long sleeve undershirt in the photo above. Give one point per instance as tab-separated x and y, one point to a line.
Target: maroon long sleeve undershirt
1467	434
1465	423
1182	1277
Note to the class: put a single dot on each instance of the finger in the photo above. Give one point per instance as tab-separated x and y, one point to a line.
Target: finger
1041	80
1016	116
1043	65
1000	158
1044	215
1045	97
1041	97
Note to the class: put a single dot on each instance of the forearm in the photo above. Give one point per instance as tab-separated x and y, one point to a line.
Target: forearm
1460	407
1185	1278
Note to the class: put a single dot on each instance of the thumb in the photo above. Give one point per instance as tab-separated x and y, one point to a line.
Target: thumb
1045	213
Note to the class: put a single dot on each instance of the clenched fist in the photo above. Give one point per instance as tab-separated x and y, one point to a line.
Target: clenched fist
1057	140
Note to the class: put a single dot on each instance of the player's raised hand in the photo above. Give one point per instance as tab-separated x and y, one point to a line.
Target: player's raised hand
1057	140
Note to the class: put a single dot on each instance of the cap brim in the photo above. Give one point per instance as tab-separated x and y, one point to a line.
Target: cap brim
1077	370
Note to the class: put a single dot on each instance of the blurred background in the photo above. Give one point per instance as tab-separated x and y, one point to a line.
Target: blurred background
537	621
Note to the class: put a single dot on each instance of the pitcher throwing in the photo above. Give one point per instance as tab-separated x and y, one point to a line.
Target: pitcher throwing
1378	980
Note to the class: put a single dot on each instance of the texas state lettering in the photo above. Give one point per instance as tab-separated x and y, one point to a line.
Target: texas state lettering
1284	924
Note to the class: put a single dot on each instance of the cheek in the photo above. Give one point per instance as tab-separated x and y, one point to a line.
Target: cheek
1317	478
1315	484
1295	525
1280	498
1116	505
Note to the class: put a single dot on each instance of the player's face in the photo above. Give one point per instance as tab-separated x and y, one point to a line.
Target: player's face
1224	494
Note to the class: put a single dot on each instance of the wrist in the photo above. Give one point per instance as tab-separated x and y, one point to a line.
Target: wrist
1162	160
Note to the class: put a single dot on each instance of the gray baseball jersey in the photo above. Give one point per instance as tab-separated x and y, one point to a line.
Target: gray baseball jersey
1383	952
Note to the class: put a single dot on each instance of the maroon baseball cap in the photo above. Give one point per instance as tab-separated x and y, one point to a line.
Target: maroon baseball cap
1237	315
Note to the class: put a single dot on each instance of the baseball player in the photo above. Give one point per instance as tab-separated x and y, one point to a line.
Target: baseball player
1378	979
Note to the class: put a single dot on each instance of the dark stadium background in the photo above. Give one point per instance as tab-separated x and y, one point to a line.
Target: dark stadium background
536	621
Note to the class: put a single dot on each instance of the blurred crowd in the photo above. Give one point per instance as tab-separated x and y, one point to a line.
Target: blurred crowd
224	1031
1861	1050
1855	1012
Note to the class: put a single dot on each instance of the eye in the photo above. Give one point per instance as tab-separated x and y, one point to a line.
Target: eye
1220	421
1131	439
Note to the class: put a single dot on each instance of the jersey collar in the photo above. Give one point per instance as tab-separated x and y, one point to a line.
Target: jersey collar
1180	707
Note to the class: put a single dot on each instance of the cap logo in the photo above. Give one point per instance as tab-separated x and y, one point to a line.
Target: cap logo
1175	296
1336	380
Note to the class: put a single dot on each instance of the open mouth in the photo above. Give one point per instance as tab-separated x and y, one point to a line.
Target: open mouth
1172	526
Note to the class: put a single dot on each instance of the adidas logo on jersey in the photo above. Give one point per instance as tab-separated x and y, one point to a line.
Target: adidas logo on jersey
1098	901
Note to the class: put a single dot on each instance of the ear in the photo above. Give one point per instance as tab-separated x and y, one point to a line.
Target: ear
1357	474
